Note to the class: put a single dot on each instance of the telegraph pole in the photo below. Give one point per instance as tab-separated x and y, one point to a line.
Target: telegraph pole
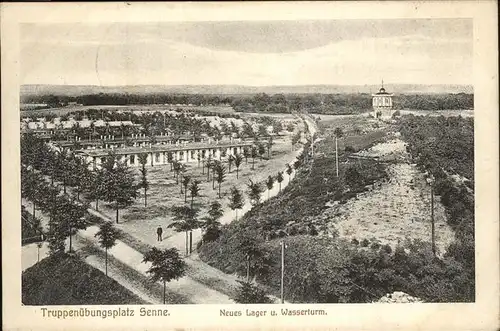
433	234
282	271
337	155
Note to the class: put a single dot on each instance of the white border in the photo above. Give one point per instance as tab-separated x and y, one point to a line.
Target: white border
482	315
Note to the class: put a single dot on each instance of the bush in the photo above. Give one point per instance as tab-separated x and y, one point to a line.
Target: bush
350	149
250	293
365	242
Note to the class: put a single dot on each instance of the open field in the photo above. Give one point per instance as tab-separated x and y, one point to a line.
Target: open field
446	113
141	222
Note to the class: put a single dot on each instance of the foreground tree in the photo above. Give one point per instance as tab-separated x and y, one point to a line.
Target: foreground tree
185	183
250	293
253	153
269	184
237	163
269	146
230	161
211	226
96	188
254	193
279	178
261	150
107	236
257	259
194	190
166	265
246	154
119	183
143	159
185	220
220	171
236	200
289	171
73	218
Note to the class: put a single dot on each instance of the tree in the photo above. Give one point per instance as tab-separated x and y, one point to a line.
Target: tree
257	261
220	170
262	130
254	193
194	190
236	200
177	170
254	155
96	188
143	160
81	176
237	163
246	154
261	150
289	171
279	178
107	236
185	183
170	159
166	265
230	161
72	218
211	226
269	184
269	146
248	130
250	293
119	183
31	187
185	219
295	139
338	132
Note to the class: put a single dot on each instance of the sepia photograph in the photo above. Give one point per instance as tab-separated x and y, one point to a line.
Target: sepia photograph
241	162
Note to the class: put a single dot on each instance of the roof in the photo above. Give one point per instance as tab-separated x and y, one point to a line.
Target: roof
161	148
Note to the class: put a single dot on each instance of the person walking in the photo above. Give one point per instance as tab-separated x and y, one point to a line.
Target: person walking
159	232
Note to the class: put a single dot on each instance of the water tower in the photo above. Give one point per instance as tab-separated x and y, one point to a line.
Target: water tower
382	104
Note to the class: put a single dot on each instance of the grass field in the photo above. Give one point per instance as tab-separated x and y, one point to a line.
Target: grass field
141	222
66	280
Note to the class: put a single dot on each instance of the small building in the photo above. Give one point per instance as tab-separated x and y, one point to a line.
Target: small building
382	104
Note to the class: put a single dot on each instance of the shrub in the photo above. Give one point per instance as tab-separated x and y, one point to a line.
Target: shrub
250	293
365	242
350	149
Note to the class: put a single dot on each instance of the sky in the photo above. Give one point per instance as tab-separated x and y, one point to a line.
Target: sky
256	53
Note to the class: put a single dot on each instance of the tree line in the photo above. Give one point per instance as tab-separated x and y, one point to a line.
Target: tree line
340	103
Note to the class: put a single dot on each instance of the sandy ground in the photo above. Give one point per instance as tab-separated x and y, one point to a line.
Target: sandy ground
394	210
141	222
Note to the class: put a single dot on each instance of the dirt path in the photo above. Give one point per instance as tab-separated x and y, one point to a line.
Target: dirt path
394	210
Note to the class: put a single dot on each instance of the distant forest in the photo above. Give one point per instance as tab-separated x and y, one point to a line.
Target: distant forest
262	102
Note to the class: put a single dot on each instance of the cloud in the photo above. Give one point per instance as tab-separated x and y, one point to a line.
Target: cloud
144	58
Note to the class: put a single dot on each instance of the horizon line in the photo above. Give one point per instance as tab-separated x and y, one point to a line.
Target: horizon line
243	85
